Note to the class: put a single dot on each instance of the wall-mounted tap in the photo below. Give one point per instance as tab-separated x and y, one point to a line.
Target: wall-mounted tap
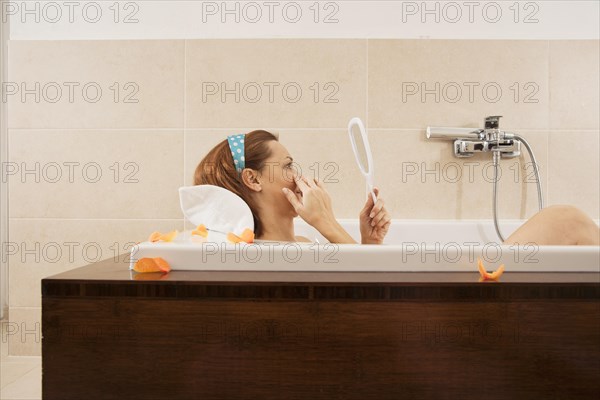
468	141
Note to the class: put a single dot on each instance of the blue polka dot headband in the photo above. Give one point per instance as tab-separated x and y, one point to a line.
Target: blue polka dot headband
236	144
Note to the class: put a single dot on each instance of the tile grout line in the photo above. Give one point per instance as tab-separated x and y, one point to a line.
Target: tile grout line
5	208
367	86
96	129
184	117
547	169
91	219
176	130
547	179
185	103
549	124
368	127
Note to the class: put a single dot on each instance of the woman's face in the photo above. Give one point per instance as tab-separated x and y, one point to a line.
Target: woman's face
278	172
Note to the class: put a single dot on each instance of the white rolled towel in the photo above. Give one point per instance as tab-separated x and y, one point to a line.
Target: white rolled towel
217	208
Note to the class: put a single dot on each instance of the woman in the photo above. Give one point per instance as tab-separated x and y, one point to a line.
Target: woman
260	170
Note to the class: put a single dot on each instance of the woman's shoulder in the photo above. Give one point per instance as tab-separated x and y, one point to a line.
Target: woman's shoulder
303	239
299	239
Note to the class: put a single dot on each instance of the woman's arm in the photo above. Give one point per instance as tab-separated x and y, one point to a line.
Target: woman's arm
335	233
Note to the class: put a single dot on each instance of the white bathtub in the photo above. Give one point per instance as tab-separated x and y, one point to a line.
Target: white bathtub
411	245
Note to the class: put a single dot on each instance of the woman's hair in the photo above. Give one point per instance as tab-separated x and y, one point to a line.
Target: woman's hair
217	168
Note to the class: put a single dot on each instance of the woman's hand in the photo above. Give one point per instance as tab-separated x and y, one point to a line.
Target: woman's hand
374	221
314	207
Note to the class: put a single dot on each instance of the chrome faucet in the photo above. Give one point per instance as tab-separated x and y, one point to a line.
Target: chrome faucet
468	141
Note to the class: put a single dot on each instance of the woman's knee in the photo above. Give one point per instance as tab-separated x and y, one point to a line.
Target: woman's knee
575	212
577	225
562	209
566	212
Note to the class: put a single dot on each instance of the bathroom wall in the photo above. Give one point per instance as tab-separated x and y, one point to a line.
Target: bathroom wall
98	149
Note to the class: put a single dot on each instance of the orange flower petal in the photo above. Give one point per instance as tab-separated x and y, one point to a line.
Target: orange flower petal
154	236
486	276
498	273
247	236
168	237
200	231
201	227
146	265
233	238
482	270
162	264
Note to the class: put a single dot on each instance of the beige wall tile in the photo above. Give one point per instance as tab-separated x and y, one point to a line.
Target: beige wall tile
42	248
25	334
152	68
573	176
574	84
337	66
421	179
143	184
3	343
198	143
398	68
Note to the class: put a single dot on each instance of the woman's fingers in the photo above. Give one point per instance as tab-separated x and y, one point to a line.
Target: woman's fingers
381	216
386	226
310	182
367	208
319	183
376	191
301	184
383	221
377	208
293	199
378	217
369	204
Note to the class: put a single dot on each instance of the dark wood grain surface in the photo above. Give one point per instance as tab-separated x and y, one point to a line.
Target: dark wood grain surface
292	335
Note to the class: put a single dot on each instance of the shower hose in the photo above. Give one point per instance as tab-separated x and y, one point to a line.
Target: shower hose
496	159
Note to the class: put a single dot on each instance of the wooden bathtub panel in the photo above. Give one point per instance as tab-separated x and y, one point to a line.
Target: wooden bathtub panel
195	339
